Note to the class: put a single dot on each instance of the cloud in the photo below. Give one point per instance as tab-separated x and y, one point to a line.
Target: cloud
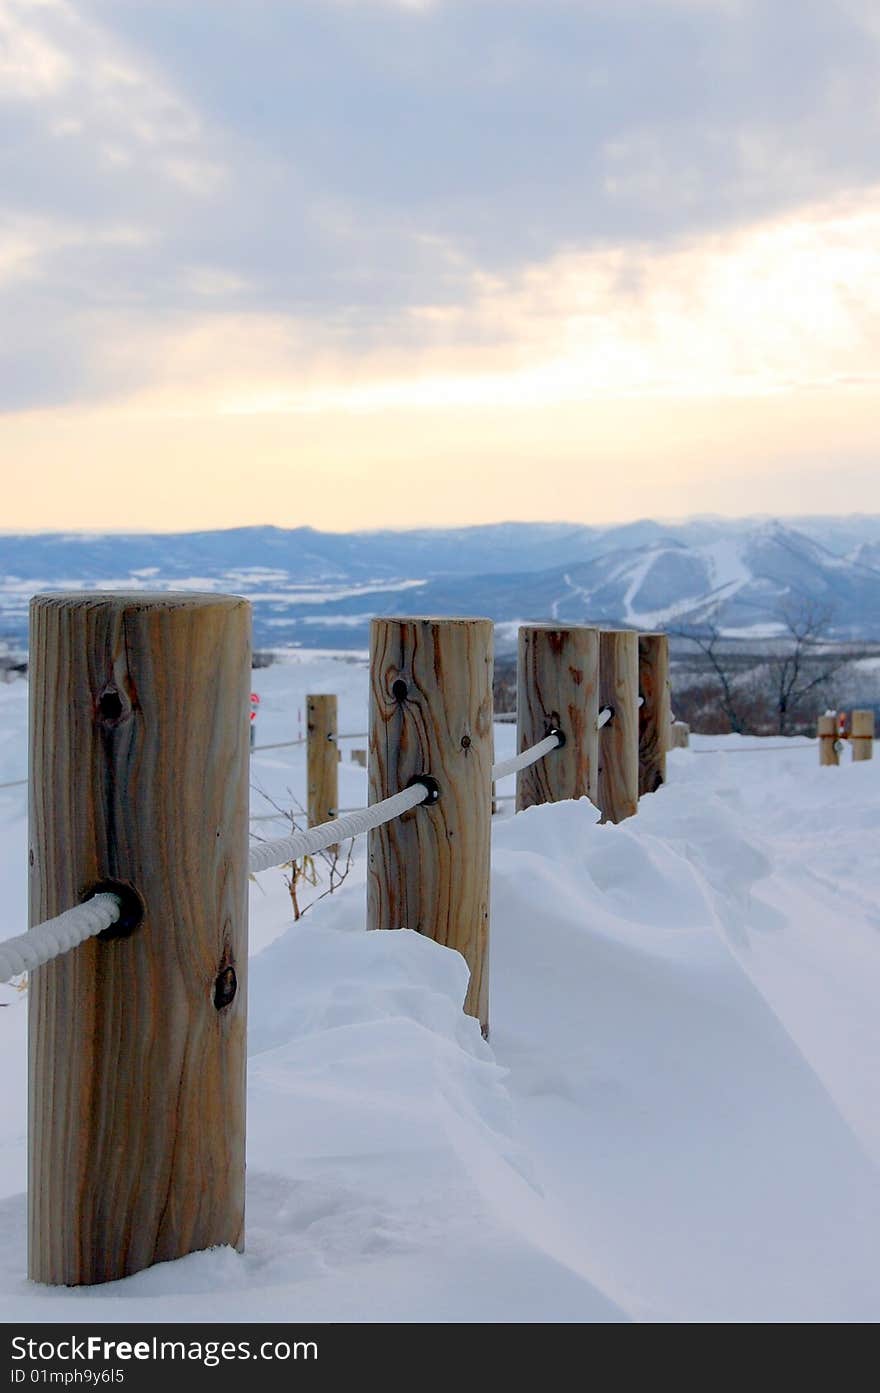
366	181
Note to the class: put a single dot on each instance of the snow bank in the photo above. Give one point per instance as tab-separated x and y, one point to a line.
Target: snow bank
676	1116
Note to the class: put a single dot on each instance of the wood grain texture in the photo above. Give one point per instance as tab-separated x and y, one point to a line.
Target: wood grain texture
138	774
826	729
431	713
558	685
655	713
618	791
322	760
861	735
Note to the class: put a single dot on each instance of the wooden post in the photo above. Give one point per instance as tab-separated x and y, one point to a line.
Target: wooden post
861	734
431	713
826	730
655	712
679	735
558	685
359	757
138	782
618	791
322	760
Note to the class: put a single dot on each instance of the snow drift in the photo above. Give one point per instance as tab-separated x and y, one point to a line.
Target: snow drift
675	1118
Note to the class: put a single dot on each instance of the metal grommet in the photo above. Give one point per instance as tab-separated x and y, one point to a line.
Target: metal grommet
431	786
131	907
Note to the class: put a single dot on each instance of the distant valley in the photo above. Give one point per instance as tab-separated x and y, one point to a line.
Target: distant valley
318	590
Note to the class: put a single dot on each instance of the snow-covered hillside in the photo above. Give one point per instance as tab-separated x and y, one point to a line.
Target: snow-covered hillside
312	589
677	1116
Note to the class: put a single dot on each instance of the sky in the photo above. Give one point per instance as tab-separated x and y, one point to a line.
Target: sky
357	263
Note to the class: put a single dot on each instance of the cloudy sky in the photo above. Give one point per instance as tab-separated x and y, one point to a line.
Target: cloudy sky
366	262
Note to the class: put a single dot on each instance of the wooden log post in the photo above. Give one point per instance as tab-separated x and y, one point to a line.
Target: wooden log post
359	757
431	714
558	687
655	712
137	1039
679	735
618	785
861	735
826	730
322	760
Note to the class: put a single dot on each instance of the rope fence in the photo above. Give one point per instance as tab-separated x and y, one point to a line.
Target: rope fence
528	757
50	939
594	718
306	843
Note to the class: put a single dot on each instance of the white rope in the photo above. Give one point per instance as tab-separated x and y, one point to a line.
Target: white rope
280	745
303	740
529	756
284	849
55	936
752	749
47	940
604	717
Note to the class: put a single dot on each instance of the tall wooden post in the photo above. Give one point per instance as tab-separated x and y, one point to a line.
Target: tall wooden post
431	713
618	793
655	712
322	759
679	735
826	729
138	782
861	735
558	686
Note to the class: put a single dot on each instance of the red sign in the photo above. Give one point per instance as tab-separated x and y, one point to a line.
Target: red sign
255	701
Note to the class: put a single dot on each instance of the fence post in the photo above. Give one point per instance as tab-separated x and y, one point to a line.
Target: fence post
861	734
679	735
558	685
322	760
826	729
618	791
655	712
431	713
137	1039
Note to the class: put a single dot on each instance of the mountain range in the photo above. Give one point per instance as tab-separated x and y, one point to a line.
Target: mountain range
319	590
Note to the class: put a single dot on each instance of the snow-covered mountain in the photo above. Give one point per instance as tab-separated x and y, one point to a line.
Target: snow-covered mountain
319	589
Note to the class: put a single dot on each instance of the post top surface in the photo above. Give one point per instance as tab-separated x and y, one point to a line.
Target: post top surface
546	626
135	599
431	619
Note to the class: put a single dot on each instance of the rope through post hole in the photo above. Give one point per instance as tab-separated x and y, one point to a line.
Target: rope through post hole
48	940
529	756
55	936
284	849
265	855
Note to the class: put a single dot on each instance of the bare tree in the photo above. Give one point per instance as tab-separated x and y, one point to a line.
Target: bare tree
305	870
769	694
707	639
806	665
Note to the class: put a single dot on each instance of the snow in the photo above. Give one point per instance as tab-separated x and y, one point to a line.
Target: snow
677	1115
726	565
